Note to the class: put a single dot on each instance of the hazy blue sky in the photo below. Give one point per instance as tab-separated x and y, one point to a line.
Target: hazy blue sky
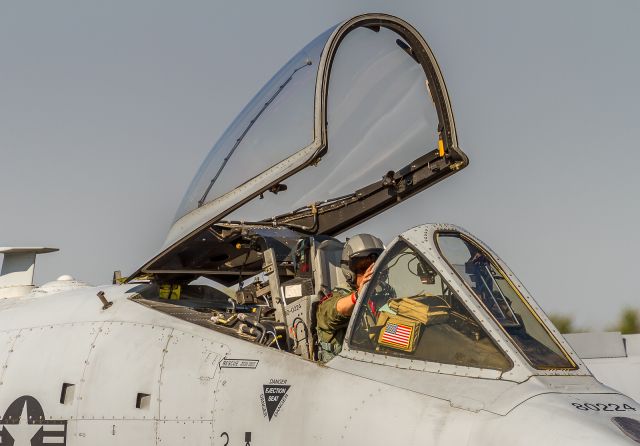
108	108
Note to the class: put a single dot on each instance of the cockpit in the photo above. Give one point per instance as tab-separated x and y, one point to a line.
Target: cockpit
355	123
411	311
437	296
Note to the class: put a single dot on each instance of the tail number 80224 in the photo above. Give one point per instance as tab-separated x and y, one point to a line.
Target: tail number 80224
604	407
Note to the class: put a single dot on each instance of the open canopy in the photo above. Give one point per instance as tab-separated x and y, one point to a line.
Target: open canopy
353	124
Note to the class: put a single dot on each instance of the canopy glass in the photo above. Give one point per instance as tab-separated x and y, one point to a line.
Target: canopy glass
273	126
411	312
380	117
496	292
356	122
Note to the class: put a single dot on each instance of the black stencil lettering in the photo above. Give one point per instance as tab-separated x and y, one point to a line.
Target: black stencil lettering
273	397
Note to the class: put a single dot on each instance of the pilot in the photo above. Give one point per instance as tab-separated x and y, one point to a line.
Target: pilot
358	256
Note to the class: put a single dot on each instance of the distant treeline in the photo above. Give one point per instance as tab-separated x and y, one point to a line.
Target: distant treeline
628	323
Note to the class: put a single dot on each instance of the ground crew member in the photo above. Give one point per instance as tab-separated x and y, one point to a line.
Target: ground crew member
334	311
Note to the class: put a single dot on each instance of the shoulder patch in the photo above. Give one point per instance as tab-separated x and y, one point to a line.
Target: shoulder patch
326	297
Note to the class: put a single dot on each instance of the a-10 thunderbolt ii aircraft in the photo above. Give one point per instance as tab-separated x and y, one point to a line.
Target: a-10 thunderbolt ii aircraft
445	346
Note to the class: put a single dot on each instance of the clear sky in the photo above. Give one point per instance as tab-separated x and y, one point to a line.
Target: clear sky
108	108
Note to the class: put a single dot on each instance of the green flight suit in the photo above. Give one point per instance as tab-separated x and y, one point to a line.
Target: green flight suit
331	326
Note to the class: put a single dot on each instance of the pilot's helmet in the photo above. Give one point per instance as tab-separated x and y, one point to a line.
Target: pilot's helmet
358	248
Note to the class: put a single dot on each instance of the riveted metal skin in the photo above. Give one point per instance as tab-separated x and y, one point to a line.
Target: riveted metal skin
148	372
467	387
205	386
423	238
614	359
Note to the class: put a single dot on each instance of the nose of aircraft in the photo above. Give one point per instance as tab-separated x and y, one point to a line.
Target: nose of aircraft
567	420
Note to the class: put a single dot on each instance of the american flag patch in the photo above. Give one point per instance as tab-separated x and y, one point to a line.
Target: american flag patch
397	334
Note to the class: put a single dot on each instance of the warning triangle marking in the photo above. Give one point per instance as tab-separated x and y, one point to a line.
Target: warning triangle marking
273	397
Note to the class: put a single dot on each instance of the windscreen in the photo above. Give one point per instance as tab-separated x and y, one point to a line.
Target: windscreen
380	117
277	123
496	292
411	312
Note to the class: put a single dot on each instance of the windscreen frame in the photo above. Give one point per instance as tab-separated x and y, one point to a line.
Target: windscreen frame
357	313
508	277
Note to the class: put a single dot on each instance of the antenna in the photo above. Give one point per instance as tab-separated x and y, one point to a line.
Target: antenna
16	276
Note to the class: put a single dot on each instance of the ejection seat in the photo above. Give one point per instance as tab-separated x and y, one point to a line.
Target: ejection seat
327	273
318	271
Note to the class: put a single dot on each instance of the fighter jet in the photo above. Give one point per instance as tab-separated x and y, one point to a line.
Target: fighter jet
445	345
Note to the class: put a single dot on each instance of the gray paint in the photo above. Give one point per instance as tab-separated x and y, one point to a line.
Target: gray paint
597	345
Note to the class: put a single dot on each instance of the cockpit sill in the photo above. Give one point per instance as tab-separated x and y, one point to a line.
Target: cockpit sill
466	388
